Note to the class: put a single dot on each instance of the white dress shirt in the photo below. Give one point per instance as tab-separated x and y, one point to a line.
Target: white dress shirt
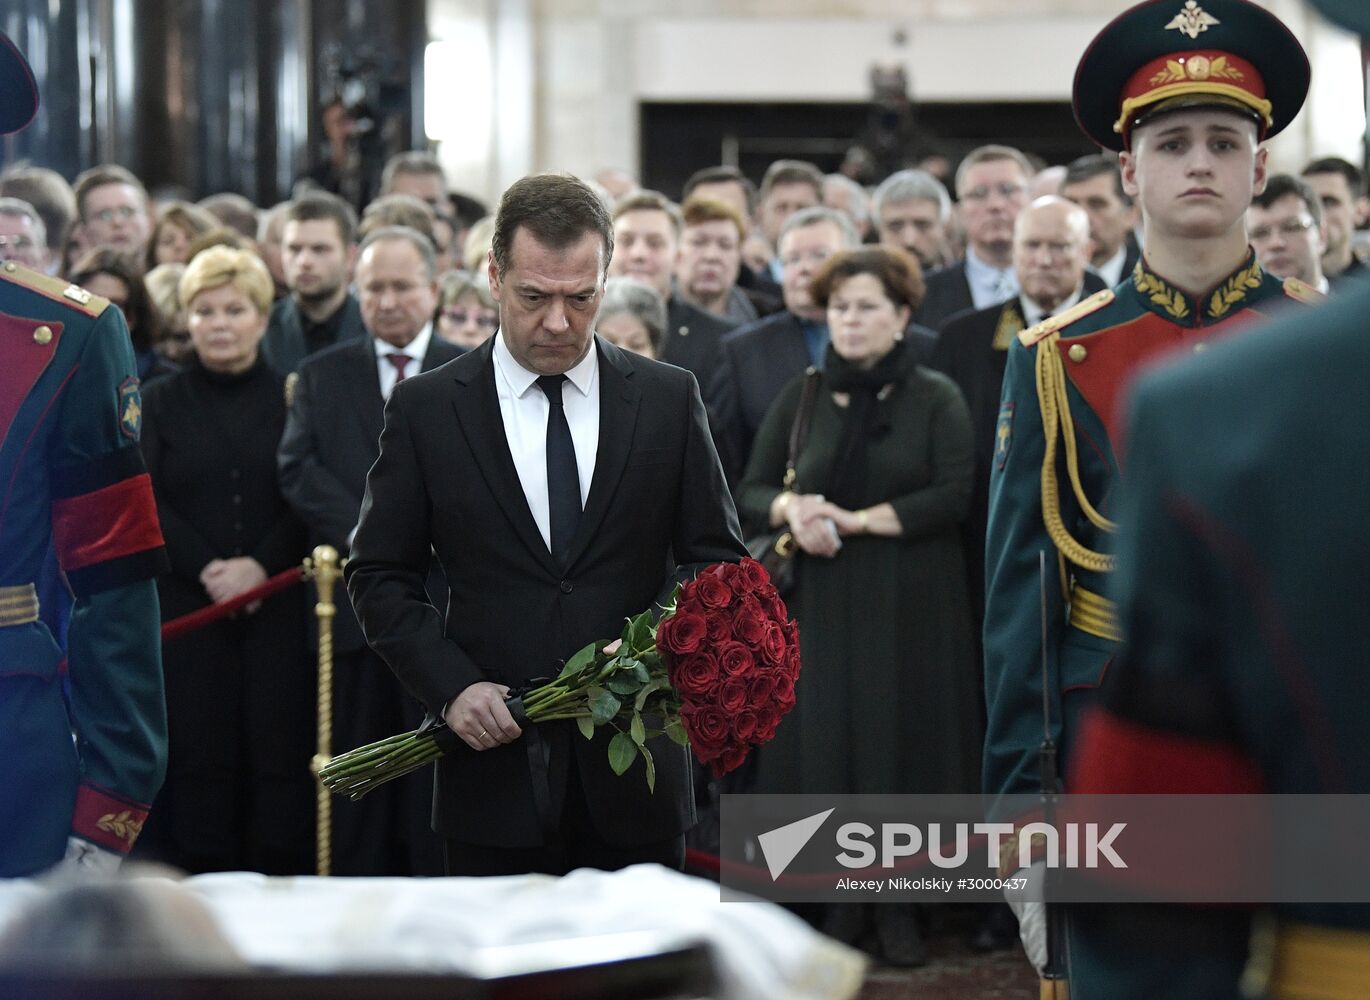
416	349
1034	314
524	409
989	285
1111	270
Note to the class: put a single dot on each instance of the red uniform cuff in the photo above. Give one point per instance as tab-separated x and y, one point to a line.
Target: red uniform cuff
107	820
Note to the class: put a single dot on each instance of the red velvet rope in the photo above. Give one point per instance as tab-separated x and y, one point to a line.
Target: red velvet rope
199	619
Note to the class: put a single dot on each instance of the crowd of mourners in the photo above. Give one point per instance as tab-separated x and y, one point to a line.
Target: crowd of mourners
268	339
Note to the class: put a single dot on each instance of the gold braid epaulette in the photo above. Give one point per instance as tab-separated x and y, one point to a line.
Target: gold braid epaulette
1302	291
1056	420
69	295
1052	324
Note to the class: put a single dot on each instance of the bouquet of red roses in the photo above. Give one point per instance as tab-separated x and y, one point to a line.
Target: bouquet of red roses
716	672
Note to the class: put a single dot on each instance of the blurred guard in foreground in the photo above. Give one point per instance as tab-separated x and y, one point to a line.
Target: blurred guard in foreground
74	480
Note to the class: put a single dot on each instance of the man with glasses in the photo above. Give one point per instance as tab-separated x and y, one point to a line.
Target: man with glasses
991	189
23	237
112	206
1284	224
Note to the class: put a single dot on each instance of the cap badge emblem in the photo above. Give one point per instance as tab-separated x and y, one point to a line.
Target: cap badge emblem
1192	20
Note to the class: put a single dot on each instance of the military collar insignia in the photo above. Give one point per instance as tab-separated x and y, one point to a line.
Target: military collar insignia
1211	306
1192	20
1234	289
1173	302
1009	326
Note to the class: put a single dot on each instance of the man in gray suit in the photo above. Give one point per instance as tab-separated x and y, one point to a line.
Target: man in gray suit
318	250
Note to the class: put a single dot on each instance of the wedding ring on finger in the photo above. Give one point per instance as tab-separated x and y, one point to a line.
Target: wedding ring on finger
483	733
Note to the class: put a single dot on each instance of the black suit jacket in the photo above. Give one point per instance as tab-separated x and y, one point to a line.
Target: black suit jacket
284	346
947	293
445	483
331	439
754	363
692	338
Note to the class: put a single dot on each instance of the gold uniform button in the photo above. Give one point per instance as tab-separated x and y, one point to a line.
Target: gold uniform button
1077	352
11	266
42	335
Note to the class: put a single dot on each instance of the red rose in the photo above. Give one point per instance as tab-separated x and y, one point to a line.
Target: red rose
731	759
773	606
750	627
735	659
681	633
774	646
761	689
707	728
767	719
784	691
720	627
734	694
792	663
712	591
695	675
744	725
753	574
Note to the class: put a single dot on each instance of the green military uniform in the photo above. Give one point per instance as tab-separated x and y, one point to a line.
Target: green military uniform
1062	388
72	479
1058	454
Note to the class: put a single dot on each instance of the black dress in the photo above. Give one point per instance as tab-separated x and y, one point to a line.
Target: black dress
888	695
240	692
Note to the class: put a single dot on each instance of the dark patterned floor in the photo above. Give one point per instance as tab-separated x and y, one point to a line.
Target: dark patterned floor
955	973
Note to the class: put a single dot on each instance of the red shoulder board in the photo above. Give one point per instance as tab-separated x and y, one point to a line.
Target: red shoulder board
1078	311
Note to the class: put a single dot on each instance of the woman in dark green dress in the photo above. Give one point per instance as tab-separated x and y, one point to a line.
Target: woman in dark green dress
888	698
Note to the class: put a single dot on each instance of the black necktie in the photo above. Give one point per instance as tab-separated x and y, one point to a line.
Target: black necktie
563	480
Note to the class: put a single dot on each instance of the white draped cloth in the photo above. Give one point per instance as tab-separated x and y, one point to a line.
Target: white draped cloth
502	926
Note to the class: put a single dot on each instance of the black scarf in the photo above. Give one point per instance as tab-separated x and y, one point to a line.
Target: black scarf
866	420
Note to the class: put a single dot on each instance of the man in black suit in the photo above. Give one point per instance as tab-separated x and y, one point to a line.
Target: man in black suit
318	250
991	189
331	439
756	361
1050	254
563	485
1095	183
647	239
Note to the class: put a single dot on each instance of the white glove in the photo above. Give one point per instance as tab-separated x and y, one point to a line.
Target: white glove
1029	906
85	859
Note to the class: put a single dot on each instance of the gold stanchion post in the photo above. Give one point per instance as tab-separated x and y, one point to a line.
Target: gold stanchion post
323	566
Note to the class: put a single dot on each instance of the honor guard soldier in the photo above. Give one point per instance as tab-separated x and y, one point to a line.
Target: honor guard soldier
1241	590
1185	91
73	481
